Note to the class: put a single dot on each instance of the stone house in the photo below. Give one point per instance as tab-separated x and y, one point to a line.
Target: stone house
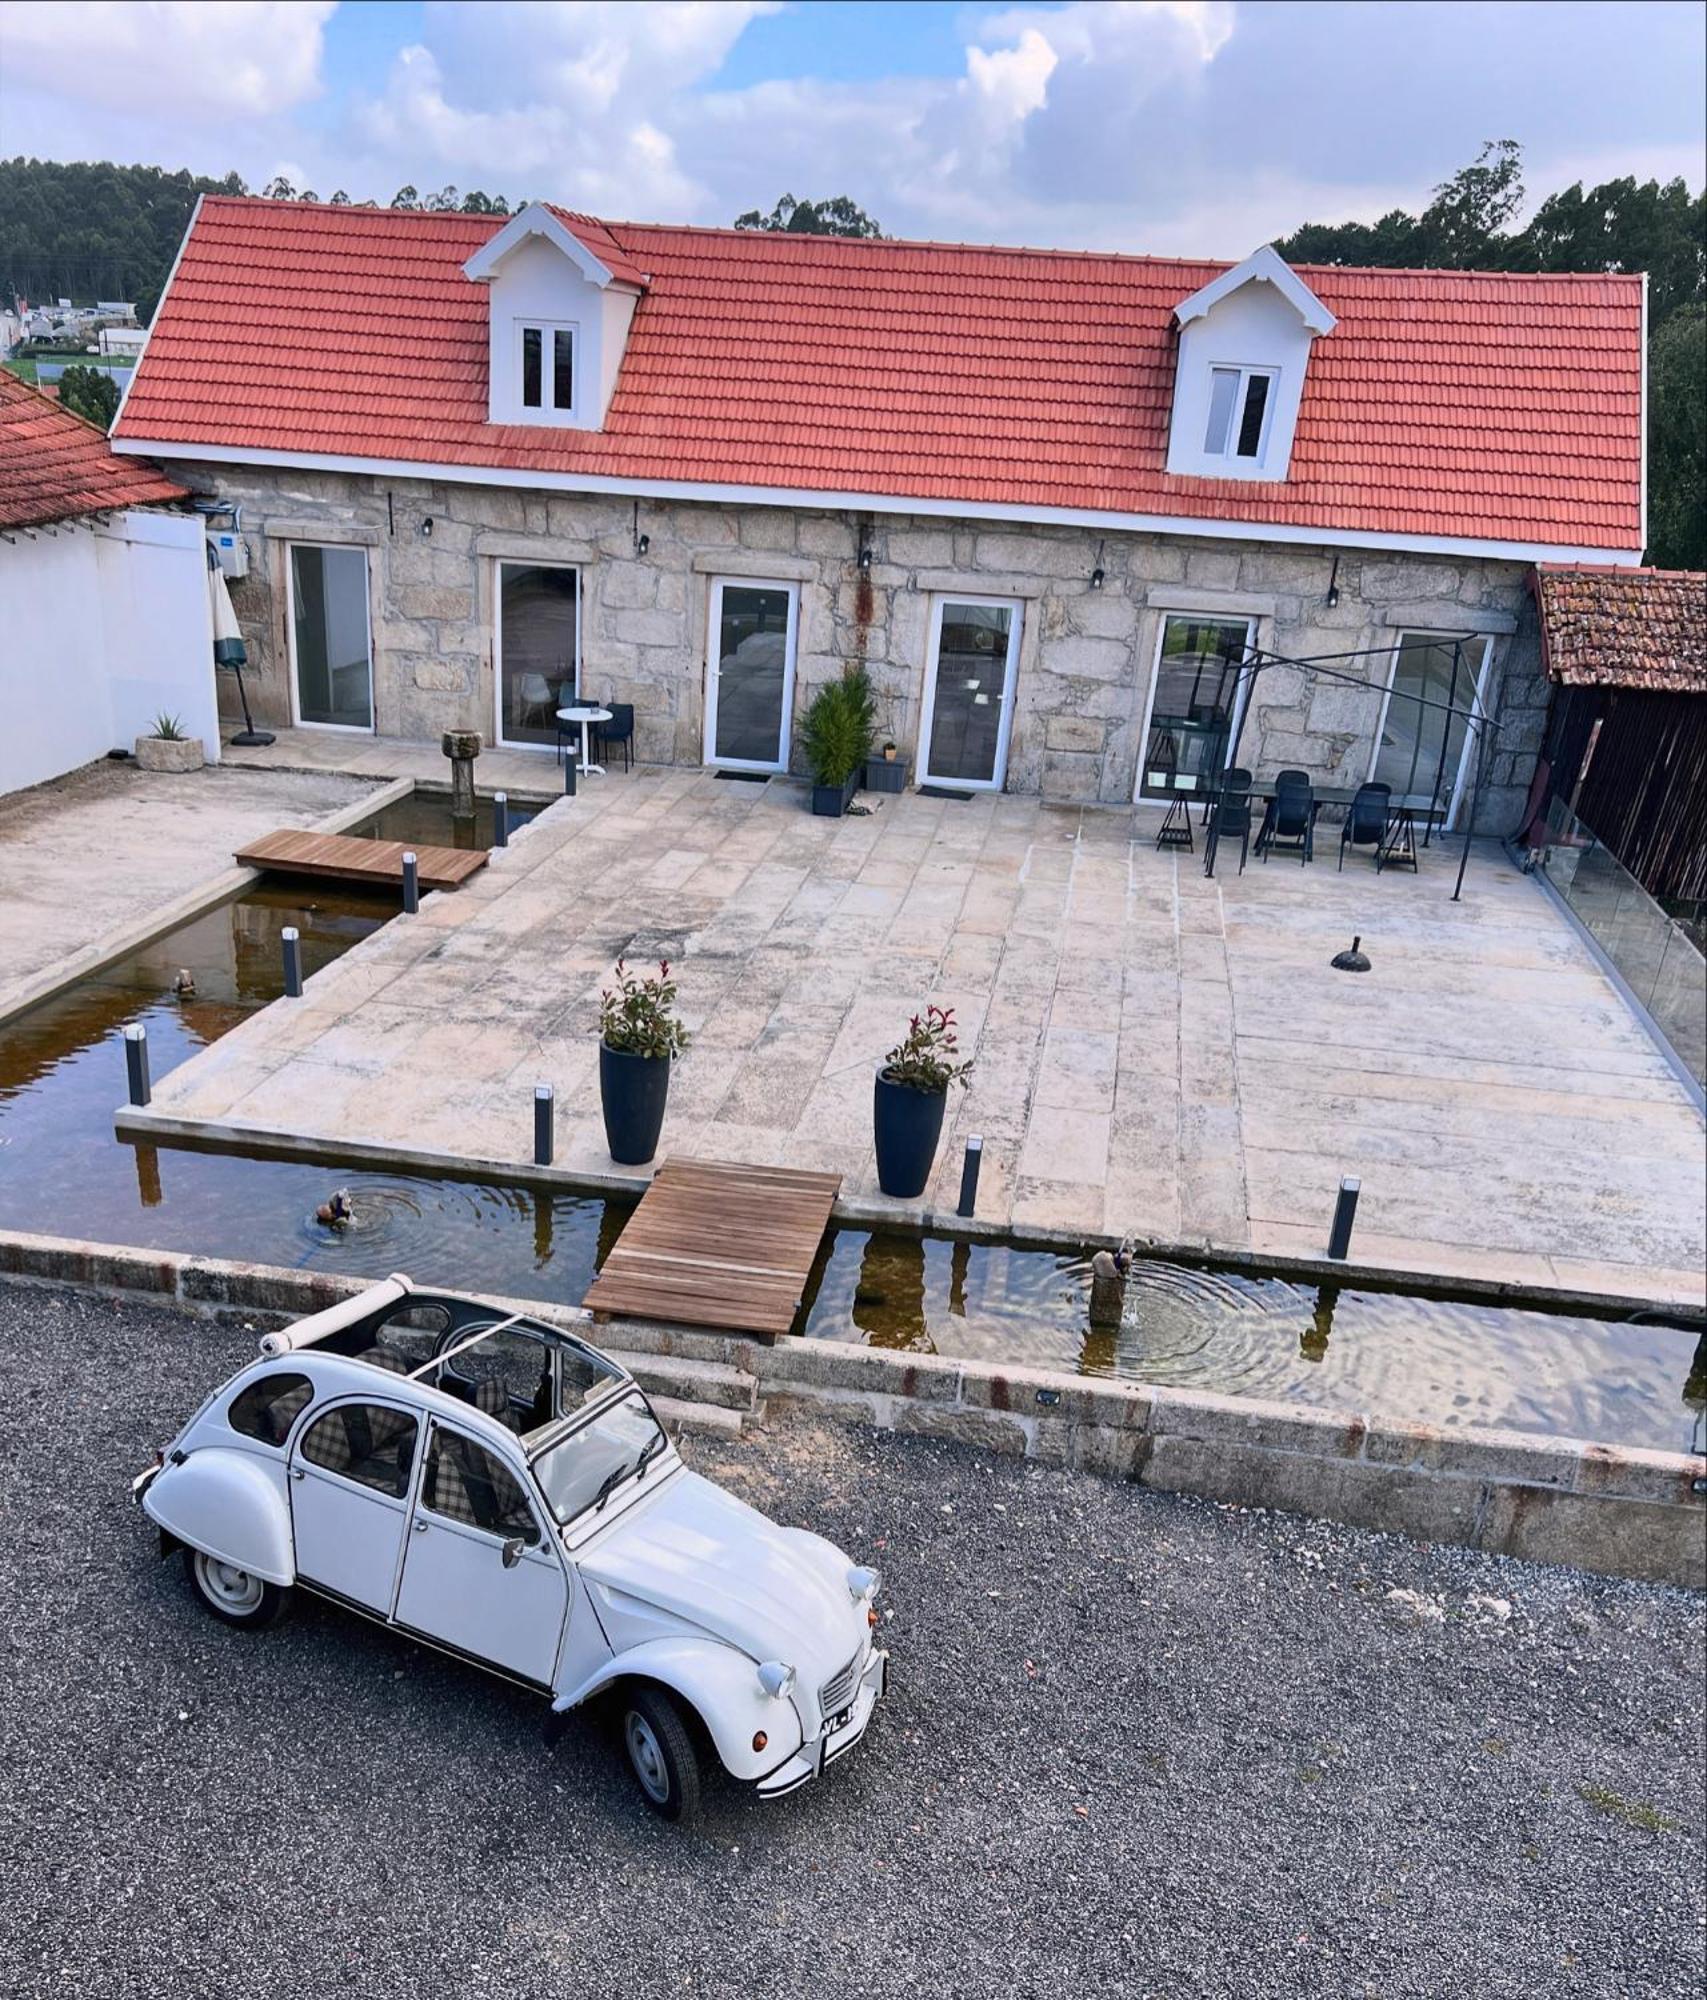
1093	523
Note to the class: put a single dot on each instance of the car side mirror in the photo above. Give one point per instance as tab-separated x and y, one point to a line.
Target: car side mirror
513	1551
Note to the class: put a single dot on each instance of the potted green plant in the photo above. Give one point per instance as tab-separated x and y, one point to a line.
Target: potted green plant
837	735
168	748
639	1037
909	1099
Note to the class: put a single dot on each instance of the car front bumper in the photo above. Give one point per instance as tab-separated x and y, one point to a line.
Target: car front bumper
810	1761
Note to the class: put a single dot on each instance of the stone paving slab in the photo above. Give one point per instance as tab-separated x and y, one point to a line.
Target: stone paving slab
1155	1053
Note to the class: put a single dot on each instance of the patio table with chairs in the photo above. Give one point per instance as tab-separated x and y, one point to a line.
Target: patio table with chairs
1375	819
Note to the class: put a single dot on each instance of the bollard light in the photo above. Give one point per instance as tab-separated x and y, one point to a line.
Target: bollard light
411	884
500	819
136	1062
569	772
1345	1214
291	939
969	1175
544	1105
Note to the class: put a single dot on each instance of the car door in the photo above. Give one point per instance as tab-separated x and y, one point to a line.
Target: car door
349	1499
481	1574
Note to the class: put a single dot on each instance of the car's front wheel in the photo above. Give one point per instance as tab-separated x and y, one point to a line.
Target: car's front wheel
236	1595
660	1753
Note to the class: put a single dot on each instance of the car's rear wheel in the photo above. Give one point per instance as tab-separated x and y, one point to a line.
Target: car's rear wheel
235	1595
660	1753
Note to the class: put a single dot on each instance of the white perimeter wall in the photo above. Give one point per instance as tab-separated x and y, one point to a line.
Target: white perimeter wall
100	629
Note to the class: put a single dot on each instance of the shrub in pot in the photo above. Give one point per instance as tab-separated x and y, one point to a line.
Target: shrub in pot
167	748
837	733
909	1098
639	1037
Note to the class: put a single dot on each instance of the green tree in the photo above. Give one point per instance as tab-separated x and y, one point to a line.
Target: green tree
1677	441
279	189
90	393
838	216
405	197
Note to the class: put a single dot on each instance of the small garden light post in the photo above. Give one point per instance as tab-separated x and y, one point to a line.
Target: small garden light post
136	1062
291	939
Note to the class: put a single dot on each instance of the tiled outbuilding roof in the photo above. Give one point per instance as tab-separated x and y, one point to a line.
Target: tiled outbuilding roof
1634	628
54	466
1446	405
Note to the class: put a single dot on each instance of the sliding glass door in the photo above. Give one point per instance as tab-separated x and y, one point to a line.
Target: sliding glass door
969	686
1422	747
331	652
536	650
1194	704
749	675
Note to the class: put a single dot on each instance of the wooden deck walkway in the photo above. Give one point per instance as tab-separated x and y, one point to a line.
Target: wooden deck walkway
716	1244
349	859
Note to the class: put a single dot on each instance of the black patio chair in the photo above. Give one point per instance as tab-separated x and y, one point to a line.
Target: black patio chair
1366	820
619	730
1291	817
1233	812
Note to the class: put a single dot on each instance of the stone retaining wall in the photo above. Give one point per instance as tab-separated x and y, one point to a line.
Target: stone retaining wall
1611	1509
1087	651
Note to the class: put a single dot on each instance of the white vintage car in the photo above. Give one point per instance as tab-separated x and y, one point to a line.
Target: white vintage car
494	1487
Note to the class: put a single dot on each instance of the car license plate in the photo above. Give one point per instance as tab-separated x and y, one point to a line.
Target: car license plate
840	1721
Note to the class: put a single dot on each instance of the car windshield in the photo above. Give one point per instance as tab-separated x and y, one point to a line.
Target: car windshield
591	1463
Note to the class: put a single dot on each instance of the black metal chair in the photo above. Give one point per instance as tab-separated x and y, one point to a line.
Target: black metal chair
1366	820
1233	812
1291	817
619	730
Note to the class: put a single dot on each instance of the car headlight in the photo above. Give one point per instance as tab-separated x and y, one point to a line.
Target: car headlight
776	1680
864	1584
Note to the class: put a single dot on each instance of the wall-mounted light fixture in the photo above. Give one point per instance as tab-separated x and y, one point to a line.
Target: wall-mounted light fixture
1333	596
1098	574
641	542
427	527
865	558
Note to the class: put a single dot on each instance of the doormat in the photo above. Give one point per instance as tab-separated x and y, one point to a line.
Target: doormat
746	777
940	792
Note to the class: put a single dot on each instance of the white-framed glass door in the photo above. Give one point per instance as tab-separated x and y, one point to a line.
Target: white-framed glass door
1422	746
1196	703
749	673
536	650
969	688
331	637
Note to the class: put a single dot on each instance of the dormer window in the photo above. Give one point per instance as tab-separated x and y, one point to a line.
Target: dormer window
1239	402
548	368
1239	373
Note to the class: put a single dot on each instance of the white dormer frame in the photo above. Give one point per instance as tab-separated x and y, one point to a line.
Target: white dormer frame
1259	318
540	274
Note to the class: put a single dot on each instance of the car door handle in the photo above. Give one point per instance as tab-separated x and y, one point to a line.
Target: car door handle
420	1527
298	1472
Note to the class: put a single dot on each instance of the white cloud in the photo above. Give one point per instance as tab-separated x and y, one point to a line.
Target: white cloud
210	59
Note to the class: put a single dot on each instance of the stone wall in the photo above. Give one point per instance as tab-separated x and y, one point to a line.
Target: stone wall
1087	653
1521	702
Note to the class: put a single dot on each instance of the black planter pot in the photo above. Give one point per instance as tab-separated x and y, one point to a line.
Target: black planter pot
885	774
632	1090
831	801
907	1125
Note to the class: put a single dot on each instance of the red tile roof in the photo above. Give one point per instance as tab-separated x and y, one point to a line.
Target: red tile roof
1445	404
1634	628
54	466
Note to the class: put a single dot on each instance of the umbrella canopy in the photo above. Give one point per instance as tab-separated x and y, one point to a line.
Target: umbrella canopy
228	647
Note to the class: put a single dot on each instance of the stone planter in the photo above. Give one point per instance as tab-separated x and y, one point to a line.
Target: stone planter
831	801
632	1091
167	753
906	1125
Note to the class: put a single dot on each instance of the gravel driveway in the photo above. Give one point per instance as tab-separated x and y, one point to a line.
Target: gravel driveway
1135	1746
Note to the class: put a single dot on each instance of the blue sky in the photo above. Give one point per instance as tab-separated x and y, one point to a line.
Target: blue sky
1179	126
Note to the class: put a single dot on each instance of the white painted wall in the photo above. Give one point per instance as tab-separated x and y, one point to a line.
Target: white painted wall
100	629
1254	327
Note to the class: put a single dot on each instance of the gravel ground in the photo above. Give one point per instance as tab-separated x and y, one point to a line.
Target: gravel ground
1134	1746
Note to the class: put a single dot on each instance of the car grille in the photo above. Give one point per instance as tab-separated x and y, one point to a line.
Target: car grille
837	1691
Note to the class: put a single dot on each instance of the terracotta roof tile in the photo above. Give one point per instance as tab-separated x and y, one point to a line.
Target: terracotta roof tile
1448	404
1634	628
54	466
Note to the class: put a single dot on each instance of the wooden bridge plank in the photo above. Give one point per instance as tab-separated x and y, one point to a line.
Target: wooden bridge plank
718	1243
347	858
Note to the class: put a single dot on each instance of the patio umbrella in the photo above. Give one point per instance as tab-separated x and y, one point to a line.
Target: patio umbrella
229	649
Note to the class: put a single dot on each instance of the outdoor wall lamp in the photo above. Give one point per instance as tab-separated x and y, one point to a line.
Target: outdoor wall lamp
641	542
1333	596
865	558
427	527
1099	574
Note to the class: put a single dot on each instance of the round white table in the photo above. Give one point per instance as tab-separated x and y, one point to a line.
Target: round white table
585	714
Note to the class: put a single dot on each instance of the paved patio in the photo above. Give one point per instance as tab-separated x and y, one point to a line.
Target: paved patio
1155	1052
110	846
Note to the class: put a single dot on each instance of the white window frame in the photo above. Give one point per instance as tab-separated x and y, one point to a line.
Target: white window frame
527	562
940	601
713	657
547	411
1477	705
296	715
1241	698
1247	371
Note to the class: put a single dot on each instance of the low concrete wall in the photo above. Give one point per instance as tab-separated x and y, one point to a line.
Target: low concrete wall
1607	1508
